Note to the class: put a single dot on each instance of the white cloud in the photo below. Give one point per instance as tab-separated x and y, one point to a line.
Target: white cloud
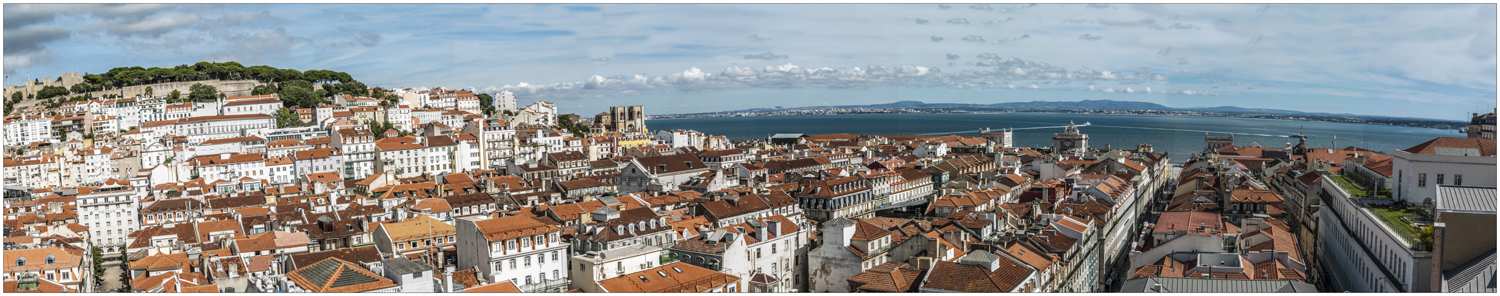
958	21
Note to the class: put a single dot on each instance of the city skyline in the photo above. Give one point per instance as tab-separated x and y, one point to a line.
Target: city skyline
1360	59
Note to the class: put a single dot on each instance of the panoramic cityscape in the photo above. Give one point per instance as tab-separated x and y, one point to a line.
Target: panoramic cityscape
843	148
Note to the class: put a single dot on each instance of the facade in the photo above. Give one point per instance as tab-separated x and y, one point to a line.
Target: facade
1482	126
516	249
104	209
1070	142
1421	169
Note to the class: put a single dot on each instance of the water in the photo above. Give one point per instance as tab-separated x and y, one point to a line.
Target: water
1179	136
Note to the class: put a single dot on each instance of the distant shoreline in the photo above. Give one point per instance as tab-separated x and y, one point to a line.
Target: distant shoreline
1429	124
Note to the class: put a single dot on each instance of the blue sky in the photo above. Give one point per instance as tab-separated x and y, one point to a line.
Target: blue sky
1432	61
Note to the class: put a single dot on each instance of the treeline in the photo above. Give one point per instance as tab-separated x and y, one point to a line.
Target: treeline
295	87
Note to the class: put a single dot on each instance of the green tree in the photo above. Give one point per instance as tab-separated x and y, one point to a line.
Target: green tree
202	93
51	91
98	255
286	118
148	91
16	96
174	96
125	274
298	93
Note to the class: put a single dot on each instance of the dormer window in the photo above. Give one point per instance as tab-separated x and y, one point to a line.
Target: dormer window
20	262
51	259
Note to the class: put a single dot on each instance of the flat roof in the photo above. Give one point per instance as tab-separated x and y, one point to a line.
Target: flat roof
1465	199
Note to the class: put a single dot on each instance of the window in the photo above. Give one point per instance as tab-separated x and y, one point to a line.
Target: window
526	242
512	263
20	262
554	274
498	266
541	258
51	259
1421	179
1458	180
510	245
554	255
1440	179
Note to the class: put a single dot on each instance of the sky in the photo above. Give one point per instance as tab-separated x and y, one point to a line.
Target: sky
1428	61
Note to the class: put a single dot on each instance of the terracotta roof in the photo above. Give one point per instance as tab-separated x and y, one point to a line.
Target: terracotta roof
500	287
365	254
866	231
1189	222
333	275
36	259
421	226
43	285
510	227
958	277
1254	196
886	277
1486	147
677	277
270	241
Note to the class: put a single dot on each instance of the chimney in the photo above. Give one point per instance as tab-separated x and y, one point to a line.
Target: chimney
774	227
448	281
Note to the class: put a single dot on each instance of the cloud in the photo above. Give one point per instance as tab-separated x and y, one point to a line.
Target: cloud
981	7
988	56
921	21
1098	6
601	61
754	38
937	39
765	56
152	27
254	47
974	38
952	56
958	21
1143	22
1090	37
944	6
355	17
361	39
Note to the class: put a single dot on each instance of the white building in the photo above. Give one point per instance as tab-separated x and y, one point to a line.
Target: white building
263	104
22	129
110	213
357	145
518	249
204	128
228	166
505	100
765	248
409	156
1360	253
1443	161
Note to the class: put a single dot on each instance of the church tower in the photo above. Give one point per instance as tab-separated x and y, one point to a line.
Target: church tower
1070	142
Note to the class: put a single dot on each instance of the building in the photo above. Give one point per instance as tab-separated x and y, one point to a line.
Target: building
110	213
673	278
204	128
505	100
982	272
414	235
1198	285
998	139
357	146
1362	252
57	265
660	173
22	129
623	119
1463	251
517	249
1482	126
1070	141
334	275
766	250
412	156
1443	161
410	276
849	248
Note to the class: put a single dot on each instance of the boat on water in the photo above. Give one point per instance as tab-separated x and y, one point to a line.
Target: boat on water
1296	135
